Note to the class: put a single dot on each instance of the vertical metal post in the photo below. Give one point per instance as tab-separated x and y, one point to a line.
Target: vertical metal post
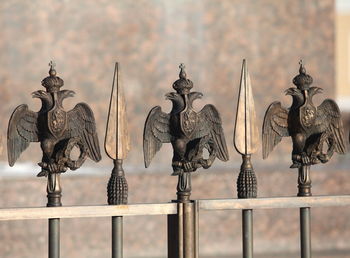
305	234
196	228
247	188
247	233
54	238
117	237
54	193
304	189
117	191
175	233
173	236
188	235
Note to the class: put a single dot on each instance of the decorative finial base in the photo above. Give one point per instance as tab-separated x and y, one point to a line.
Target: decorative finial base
117	188
54	190
246	182
304	181
184	187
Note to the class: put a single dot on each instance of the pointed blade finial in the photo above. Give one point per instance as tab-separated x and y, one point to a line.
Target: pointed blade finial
246	134
117	140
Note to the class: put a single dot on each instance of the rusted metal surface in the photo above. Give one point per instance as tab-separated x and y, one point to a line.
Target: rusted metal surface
190	133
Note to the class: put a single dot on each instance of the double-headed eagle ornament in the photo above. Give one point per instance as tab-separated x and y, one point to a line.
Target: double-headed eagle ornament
316	131
189	132
57	131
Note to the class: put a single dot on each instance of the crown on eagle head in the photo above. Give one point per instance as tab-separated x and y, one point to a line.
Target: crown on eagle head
302	80
52	83
182	85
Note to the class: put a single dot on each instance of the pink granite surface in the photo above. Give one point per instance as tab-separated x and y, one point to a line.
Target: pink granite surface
150	39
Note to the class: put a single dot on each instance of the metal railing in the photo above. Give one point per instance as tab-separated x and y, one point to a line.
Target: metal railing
183	229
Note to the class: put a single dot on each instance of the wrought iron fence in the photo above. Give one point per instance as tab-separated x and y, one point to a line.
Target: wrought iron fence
312	129
183	227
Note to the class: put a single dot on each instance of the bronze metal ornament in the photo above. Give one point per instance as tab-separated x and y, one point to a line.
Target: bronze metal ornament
313	129
117	146
309	126
246	136
117	141
57	131
246	142
189	132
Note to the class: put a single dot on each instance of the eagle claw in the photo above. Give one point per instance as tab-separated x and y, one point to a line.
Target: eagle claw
305	160
51	168
324	158
205	163
300	160
188	167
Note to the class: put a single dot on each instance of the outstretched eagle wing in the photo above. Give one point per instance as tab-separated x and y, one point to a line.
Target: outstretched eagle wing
81	123
328	119
22	130
274	128
211	124
156	132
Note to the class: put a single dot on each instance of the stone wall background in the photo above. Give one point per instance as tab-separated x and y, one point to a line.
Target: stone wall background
150	39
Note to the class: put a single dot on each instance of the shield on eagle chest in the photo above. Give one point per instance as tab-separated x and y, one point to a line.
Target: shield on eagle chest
307	113
57	120
188	121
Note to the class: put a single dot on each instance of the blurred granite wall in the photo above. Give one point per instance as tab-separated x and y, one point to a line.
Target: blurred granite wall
150	39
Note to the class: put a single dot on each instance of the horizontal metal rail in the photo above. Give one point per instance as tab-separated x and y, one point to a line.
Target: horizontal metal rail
275	203
88	211
170	208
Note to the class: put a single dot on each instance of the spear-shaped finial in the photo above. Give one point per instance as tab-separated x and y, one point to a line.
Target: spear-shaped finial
246	136
117	141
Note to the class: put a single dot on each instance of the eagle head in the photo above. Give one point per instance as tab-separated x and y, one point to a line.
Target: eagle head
177	100
46	99
297	95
